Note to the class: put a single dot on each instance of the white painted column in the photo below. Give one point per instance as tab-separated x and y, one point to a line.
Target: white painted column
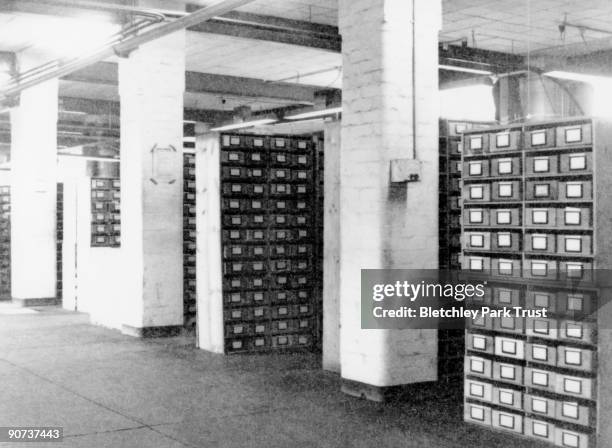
33	191
384	106
151	87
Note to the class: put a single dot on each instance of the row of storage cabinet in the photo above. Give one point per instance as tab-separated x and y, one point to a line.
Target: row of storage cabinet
189	241
245	141
274	190
557	165
252	174
529	426
562	136
269	342
5	242
105	212
533	190
548	243
279	206
579	217
553	300
530	268
255	158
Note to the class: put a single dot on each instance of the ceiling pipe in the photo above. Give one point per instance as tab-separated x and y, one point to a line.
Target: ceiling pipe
124	47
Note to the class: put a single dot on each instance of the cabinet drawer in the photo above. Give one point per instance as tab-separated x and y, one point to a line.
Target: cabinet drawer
540	242
575	358
477	192
476	413
540	269
507	421
541	353
480	323
541	327
576	190
540	138
540	379
576	331
505	141
514	325
571	439
535	404
510	166
507	397
510	217
476	264
573	412
506	296
576	270
280	158
578	134
576	163
506	241
478	390
475	143
574	386
506	267
476	217
477	240
477	366
540	217
576	303
506	191
542	190
540	430
475	169
233	157
480	343
509	373
541	165
542	299
508	347
574	245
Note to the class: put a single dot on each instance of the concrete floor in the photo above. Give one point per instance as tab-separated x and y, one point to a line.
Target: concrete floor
110	390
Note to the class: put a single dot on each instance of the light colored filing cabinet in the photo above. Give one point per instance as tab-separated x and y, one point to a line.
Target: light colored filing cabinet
536	222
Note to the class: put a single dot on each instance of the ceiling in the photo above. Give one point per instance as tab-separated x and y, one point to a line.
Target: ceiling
317	11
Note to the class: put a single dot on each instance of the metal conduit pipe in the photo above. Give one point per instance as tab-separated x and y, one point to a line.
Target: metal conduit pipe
125	46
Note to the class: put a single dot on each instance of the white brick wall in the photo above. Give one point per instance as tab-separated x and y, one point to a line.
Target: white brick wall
151	83
377	232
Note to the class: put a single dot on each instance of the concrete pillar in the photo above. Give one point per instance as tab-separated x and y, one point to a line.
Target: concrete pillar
151	87
331	248
33	191
387	114
508	99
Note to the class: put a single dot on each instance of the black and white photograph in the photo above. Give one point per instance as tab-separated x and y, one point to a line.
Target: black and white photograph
306	223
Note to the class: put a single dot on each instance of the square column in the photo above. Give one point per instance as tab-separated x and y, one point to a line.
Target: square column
33	191
390	111
151	87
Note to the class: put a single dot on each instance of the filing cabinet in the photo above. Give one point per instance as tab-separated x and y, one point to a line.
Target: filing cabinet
270	242
105	224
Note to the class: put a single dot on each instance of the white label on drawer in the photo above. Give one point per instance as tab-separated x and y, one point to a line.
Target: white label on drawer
577	162
539	352
479	342
541	326
570	439
236	220
259	342
476	264
258	312
573	135
569	409
476	142
506	397
476	192
505	190
539	429
238	329
504	240
258	142
233	156
477	413
573	386
573	244
504	166
506	420
476	390
539	242
502	140
575	270
572	216
257	173
260	328
539	378
539	405
282	325
505	267
508	347
539	268
539	216
475	168
236	344
476	216
282	311
504	296
538	138
573	357
575	302
574	330
503	217
573	190
283	340
477	365
508	372
541	165
236	314
477	240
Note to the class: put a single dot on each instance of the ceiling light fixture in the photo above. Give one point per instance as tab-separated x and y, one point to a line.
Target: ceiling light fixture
244	124
315	113
456	68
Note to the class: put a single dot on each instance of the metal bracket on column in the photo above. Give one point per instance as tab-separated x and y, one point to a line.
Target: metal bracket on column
162	164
